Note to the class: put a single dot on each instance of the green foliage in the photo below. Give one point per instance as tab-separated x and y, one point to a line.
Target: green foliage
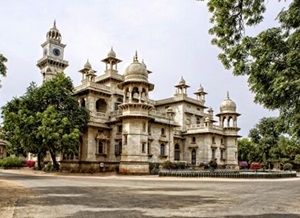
287	166
265	135
9	162
173	165
213	164
297	159
286	150
248	151
46	118
3	68
49	168
271	60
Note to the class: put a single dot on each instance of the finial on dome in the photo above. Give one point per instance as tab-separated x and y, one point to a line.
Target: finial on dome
54	23
228	95
135	59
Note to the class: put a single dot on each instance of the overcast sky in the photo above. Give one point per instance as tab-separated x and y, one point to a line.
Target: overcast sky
170	35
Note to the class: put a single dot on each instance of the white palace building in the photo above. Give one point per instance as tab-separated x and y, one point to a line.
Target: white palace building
128	130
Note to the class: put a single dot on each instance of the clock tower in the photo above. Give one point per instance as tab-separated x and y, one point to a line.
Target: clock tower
53	55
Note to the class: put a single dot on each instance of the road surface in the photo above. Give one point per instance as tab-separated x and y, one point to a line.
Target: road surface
45	195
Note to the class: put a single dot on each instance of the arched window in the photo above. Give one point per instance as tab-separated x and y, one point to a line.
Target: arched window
162	149
162	131
177	152
101	105
230	122
100	148
135	94
223	121
193	156
213	154
198	121
222	154
118	148
194	139
118	102
82	102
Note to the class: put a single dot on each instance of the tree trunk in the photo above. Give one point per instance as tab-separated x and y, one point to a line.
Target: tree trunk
53	157
39	160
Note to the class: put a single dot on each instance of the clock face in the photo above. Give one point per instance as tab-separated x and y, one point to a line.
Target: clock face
56	52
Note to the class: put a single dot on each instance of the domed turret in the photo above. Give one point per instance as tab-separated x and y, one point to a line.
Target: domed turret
228	105
87	65
111	53
136	71
181	81
200	89
54	33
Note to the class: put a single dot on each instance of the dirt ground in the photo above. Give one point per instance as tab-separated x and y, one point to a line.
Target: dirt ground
11	192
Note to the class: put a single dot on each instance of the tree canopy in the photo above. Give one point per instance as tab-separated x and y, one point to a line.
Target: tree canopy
3	68
46	118
271	59
268	143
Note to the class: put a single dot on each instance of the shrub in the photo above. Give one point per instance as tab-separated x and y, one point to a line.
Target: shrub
255	166
243	165
30	163
204	165
287	166
49	168
168	165
213	164
9	162
180	165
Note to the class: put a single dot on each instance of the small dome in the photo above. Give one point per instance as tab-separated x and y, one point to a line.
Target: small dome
200	89
87	65
181	81
111	53
54	33
136	71
228	105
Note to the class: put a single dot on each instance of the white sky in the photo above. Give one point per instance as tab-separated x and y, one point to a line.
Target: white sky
170	35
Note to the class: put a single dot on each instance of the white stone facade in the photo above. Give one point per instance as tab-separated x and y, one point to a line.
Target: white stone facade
129	130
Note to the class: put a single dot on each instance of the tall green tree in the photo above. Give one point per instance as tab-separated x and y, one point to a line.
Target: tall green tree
248	151
266	135
3	68
271	59
46	118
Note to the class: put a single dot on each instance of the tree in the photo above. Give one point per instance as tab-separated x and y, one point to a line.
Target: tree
265	135
46	118
248	151
271	60
286	150
3	68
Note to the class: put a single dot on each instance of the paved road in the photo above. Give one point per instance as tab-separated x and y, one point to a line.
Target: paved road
149	196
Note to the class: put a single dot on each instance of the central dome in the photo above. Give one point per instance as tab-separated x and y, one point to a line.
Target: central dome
136	71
